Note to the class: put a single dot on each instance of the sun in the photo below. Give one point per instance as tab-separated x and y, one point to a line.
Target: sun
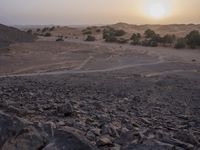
157	11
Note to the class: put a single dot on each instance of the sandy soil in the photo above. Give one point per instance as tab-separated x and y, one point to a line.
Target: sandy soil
74	56
119	96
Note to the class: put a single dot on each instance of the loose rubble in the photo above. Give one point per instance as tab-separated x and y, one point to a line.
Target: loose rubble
159	113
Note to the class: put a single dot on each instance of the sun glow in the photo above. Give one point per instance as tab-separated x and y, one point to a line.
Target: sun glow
157	9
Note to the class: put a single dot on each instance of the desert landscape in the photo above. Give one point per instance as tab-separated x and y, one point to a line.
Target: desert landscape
112	95
99	75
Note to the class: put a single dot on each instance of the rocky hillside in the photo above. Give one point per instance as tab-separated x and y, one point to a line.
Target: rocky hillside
10	35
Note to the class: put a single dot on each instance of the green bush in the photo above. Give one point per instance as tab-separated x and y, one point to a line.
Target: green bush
110	34
119	32
98	30
86	31
193	39
29	31
135	38
149	33
90	38
180	43
47	34
45	29
52	28
59	39
168	39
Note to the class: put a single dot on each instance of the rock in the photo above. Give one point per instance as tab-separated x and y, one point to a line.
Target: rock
111	130
115	147
104	140
16	133
65	109
96	131
145	147
90	136
27	139
61	123
124	130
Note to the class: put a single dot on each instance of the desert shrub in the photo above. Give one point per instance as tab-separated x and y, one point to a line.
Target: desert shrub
59	39
193	39
180	43
52	28
168	39
29	31
150	43
86	31
149	33
110	34
119	32
135	38
38	30
47	34
151	38
98	30
90	38
45	29
110	38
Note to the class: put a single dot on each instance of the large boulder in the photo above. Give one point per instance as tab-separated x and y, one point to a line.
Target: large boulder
16	133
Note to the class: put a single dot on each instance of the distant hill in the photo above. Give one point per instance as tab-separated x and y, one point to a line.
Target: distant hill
179	30
10	35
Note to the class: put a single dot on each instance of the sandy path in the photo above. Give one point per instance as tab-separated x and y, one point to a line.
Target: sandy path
107	57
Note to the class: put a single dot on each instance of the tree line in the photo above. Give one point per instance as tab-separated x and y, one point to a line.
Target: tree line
151	38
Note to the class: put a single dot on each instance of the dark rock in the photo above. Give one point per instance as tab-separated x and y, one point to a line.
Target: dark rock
65	109
16	134
145	147
110	129
104	140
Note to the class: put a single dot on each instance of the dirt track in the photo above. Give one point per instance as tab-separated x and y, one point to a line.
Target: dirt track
134	97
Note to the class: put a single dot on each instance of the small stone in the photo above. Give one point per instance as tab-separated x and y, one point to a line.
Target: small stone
61	123
90	136
104	141
193	60
124	130
116	147
96	131
111	130
65	109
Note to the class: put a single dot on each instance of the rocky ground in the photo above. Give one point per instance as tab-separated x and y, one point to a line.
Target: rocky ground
114	110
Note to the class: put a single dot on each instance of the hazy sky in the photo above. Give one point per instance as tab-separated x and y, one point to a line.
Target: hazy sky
75	12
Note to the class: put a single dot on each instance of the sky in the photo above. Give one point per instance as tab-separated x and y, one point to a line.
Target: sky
88	12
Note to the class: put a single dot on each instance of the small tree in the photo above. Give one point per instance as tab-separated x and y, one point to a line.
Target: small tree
98	30
29	31
193	39
47	34
168	39
52	28
119	32
136	37
90	38
149	33
59	39
180	43
45	29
